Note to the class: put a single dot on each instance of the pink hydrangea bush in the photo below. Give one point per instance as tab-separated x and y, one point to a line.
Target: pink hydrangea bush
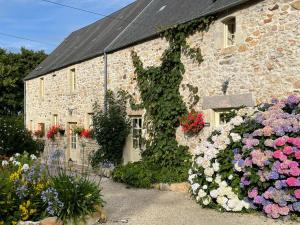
261	166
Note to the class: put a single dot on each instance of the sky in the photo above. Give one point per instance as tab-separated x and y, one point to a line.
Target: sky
49	23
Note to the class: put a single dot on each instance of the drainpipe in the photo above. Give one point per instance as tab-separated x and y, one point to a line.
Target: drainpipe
24	103
105	82
107	49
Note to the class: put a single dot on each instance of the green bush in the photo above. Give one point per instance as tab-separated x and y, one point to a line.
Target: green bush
143	174
111	129
14	138
134	174
79	195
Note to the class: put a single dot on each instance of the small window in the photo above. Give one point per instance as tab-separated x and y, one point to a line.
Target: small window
74	140
55	119
221	117
41	129
72	80
136	132
229	32
90	120
42	87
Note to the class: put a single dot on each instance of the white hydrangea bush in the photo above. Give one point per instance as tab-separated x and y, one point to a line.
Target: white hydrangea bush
208	187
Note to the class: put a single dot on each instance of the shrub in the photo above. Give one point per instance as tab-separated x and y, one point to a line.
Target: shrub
111	129
14	138
134	174
22	179
252	162
74	197
143	174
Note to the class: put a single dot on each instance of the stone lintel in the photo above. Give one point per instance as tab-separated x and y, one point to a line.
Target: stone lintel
228	101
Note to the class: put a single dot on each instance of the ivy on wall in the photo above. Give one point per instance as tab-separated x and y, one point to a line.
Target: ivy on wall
159	88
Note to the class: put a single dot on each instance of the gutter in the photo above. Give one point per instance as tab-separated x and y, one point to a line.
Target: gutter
106	51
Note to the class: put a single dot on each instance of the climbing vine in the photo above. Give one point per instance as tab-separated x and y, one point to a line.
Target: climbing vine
159	88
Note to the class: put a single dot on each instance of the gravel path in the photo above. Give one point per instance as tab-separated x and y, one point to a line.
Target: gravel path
153	207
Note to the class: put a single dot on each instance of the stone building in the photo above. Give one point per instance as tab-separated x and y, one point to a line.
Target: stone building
251	53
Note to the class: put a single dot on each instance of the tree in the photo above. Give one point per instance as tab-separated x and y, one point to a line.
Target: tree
111	129
13	69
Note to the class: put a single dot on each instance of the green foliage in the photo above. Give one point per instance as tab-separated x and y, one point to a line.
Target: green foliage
143	174
80	196
134	174
111	129
13	68
14	138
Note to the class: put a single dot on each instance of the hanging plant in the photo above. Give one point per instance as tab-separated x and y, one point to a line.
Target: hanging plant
86	133
54	130
78	130
192	123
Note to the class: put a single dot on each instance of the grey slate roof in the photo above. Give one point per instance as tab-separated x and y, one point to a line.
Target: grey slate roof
134	23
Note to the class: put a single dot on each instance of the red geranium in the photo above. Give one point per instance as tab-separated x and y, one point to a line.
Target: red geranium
192	123
52	132
86	133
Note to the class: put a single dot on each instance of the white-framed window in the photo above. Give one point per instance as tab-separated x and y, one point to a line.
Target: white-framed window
74	140
90	120
55	119
42	87
229	31
72	80
137	125
221	117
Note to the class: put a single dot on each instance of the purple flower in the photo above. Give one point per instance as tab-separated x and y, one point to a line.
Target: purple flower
292	99
273	175
296	206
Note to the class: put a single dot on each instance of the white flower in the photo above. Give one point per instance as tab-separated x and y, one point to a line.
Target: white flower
197	150
236	121
232	203
25	167
11	159
237	167
213	193
223	184
209	172
204	187
4	163
195	187
202	193
206	201
16	163
235	137
191	177
230	177
218	179
17	154
205	164
216	166
33	157
209	179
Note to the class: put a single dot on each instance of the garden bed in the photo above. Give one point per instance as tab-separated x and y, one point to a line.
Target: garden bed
29	192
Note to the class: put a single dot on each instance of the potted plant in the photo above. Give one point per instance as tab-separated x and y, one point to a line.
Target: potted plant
192	123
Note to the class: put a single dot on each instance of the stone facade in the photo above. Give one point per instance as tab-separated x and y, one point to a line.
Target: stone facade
264	62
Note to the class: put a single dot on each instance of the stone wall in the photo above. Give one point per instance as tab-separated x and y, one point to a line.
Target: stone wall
264	62
70	107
